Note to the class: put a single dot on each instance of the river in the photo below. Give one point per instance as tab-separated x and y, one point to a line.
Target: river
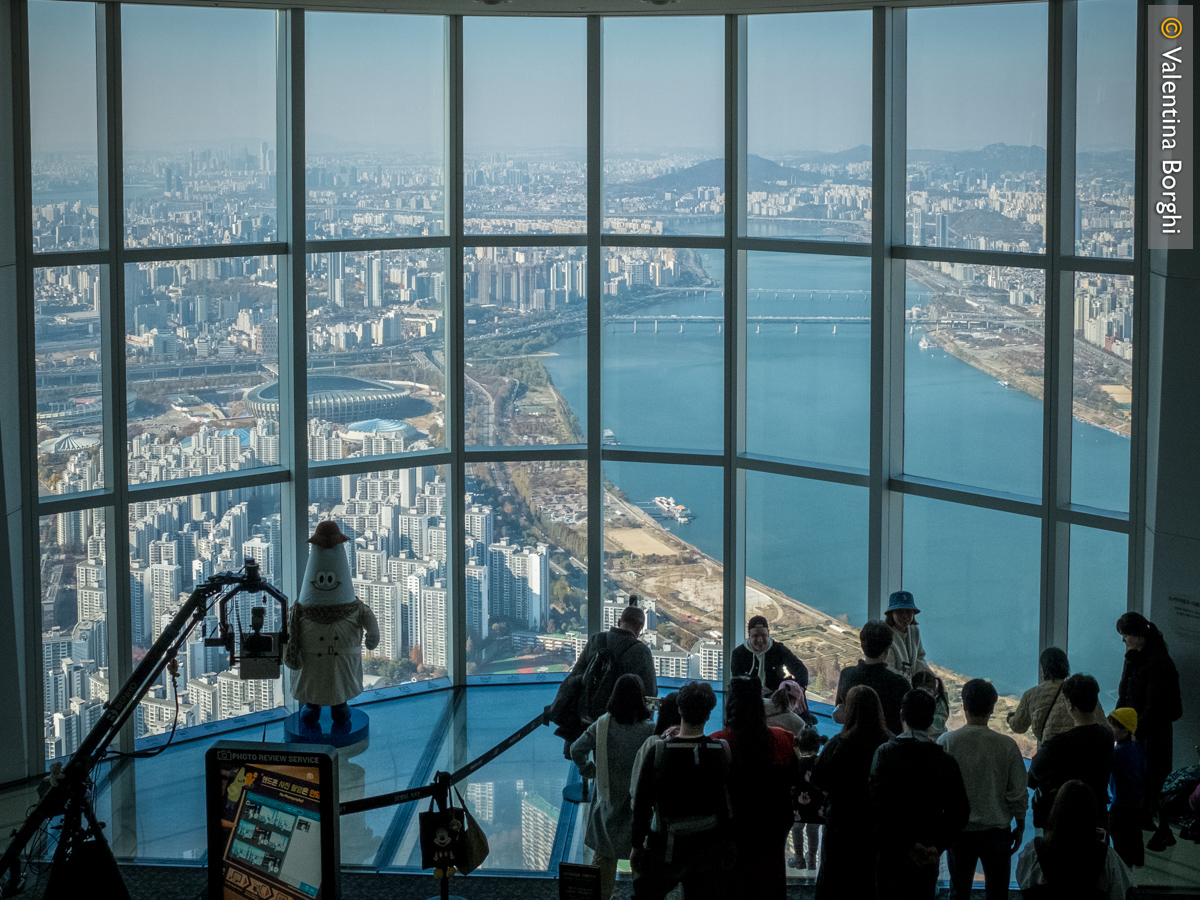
975	572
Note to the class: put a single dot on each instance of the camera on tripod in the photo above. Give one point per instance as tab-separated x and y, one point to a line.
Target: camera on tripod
255	653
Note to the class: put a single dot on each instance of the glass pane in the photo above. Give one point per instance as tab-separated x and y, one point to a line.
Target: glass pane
397	521
1099	596
74	625
1102	400
176	544
516	798
526	549
664	125
376	353
663	532
526	349
70	404
973	375
62	122
1104	128
199	152
806	570
202	352
808	357
975	575
809	126
375	134
977	127
664	356
524	125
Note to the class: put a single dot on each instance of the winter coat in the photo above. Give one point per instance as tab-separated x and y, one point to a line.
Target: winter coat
907	653
567	709
776	657
325	646
1150	684
918	794
610	822
847	854
1044	708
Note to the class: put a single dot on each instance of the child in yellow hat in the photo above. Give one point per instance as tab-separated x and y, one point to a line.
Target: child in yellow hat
1126	787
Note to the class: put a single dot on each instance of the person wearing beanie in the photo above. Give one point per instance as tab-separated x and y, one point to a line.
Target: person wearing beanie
1127	788
765	659
1150	685
907	653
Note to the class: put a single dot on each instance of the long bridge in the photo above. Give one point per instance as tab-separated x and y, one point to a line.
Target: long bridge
657	323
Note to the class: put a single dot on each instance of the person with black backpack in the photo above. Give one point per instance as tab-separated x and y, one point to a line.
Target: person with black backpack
583	696
682	816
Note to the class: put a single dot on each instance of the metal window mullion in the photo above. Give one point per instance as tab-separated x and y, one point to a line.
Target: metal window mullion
1139	461
25	452
888	156
1059	330
112	325
734	569
291	203
206	251
595	321
455	355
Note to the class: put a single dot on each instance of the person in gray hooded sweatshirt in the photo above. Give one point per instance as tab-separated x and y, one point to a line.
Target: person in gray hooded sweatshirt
765	659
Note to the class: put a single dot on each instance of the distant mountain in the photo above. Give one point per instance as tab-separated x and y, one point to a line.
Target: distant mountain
762	174
994	158
859	154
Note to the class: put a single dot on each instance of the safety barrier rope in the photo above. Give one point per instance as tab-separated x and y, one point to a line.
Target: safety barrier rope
443	781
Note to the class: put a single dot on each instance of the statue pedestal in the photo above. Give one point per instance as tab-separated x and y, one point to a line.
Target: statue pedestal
324	732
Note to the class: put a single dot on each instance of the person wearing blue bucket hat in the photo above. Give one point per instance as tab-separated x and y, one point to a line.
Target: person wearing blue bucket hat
907	654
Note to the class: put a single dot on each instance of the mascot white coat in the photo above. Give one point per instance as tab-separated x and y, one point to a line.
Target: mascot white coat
328	628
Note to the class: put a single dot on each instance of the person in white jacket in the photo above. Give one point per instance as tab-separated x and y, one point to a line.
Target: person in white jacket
907	654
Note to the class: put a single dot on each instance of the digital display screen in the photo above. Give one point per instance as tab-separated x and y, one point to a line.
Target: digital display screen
271	824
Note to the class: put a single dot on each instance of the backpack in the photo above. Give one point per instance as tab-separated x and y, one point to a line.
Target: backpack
599	679
676	817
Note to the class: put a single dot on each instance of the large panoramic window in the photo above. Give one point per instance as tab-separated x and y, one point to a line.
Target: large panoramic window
808	169
198	179
374	136
62	112
525	133
391	293
977	170
664	89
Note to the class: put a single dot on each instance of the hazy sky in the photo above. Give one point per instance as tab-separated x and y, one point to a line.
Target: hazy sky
204	77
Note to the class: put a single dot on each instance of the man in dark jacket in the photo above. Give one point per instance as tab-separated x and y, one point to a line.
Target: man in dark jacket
873	671
763	658
1085	752
682	817
629	656
920	805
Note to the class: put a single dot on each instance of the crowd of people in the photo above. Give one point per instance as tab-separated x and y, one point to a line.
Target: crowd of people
871	810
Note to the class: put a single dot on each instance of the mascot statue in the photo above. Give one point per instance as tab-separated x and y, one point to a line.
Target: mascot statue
328	627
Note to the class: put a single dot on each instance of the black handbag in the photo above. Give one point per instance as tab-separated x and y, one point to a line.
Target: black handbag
443	834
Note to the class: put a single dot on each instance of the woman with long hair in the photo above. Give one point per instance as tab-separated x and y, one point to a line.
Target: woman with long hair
843	772
613	740
1150	685
1072	859
763	771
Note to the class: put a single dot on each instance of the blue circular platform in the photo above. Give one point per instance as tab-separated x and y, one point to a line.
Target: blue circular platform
324	732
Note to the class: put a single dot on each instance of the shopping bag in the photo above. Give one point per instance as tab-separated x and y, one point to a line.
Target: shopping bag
475	842
443	836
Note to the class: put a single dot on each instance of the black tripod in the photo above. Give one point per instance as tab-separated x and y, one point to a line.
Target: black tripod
83	863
